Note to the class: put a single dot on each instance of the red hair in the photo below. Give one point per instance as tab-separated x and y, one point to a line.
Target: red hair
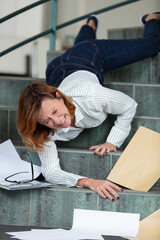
33	134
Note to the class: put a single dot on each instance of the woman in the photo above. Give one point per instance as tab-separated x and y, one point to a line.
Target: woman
47	113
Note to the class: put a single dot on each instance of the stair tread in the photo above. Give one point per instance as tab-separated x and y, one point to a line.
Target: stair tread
151	192
31	204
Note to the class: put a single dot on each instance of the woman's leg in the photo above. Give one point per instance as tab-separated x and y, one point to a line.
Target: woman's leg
100	56
118	53
87	31
67	63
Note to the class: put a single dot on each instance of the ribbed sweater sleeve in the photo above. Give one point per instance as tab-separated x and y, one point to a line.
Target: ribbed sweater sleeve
119	104
51	169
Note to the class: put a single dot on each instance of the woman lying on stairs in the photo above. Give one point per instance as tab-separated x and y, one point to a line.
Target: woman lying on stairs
74	99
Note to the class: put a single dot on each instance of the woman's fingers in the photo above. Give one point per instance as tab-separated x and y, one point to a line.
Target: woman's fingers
113	192
93	147
104	188
102	193
102	152
115	186
109	192
106	194
103	148
96	148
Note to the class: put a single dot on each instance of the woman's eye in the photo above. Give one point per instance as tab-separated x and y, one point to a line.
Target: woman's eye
54	111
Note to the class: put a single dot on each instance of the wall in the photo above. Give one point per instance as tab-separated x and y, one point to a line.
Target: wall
37	20
125	16
18	29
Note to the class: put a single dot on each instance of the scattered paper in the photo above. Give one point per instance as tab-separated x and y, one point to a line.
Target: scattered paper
11	163
138	167
87	224
55	234
106	223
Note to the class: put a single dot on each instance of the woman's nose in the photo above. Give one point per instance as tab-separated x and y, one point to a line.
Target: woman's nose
55	119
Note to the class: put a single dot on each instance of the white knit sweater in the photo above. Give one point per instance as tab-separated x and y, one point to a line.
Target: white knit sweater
93	104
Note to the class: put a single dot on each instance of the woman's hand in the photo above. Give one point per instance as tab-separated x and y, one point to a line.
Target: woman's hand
104	188
103	148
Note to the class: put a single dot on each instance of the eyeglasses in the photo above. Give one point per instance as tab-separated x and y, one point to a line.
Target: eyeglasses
22	181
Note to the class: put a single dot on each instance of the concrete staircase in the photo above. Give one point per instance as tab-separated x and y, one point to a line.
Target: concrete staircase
53	207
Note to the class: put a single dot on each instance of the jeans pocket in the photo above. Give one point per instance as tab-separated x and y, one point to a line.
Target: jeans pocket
82	53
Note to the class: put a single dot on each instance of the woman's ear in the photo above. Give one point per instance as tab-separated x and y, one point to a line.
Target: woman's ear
59	97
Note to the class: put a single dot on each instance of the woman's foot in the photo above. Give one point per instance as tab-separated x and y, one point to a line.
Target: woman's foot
92	21
148	17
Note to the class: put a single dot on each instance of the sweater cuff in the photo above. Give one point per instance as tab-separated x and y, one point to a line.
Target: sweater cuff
117	136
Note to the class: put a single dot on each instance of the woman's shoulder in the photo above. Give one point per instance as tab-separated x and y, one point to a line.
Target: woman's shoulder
79	83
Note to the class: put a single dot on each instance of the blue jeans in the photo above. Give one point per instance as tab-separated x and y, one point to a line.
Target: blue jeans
100	56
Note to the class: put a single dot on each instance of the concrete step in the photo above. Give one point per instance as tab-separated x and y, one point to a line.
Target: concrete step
82	162
148	112
53	207
125	33
87	138
11	88
144	94
145	71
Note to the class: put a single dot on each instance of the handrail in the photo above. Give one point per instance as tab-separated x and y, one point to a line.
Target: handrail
95	13
26	41
22	10
52	30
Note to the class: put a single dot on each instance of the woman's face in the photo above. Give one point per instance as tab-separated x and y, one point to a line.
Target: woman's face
54	114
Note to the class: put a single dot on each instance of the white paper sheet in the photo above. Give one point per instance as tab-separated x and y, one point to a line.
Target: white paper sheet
11	163
106	223
88	224
7	147
55	234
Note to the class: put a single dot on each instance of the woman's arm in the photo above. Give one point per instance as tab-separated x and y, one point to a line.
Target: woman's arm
120	104
51	169
54	174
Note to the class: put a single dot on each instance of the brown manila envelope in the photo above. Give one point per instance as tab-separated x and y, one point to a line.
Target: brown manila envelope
138	167
149	228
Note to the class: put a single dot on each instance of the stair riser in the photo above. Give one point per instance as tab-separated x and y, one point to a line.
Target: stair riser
11	89
82	162
147	96
144	95
54	207
125	33
87	138
146	71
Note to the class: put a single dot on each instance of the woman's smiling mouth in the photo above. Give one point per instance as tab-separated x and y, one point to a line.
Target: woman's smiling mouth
63	122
